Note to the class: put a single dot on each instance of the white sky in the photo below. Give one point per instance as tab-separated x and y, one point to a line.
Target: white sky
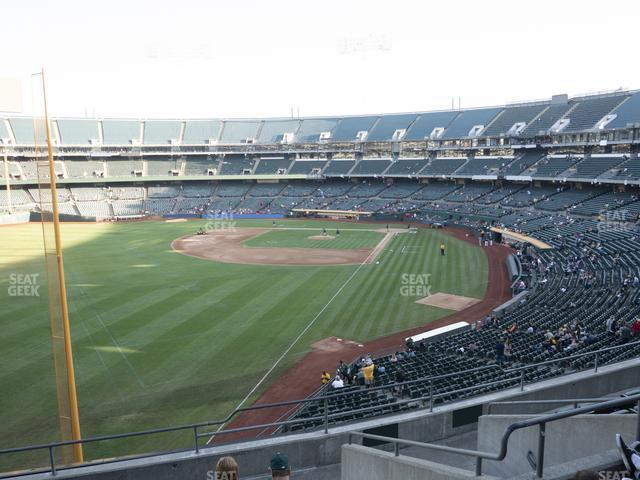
252	58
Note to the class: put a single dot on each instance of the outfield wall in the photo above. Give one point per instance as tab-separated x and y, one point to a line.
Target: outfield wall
14	218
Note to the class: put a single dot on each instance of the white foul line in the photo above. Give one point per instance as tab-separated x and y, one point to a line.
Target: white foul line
310	324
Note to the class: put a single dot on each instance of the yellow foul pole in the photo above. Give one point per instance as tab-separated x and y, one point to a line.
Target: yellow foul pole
71	380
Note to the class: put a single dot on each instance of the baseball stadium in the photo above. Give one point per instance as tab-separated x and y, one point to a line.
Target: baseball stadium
445	293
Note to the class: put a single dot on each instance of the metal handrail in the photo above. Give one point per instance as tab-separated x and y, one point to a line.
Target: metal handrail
562	401
540	421
326	417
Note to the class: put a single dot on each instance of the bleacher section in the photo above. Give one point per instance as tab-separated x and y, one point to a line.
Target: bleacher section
483	166
98	210
311	129
160	167
169	191
161	132
595	166
23	131
553	166
370	167
499	194
547	119
234	164
629	170
123	168
273	131
120	132
566	199
78	132
468	119
590	111
272	166
197	191
401	190
442	166
529	196
349	128
339	167
627	114
87	194
306	167
201	165
239	131
523	162
425	125
201	132
384	129
266	189
406	167
126	193
434	191
469	193
84	168
366	190
512	115
127	208
603	203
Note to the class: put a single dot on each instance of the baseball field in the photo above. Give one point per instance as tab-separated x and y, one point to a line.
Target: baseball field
171	328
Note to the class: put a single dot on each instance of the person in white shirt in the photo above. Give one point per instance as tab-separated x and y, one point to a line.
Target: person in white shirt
337	382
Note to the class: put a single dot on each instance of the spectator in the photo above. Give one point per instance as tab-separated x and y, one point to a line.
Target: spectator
400	377
635	327
508	352
280	466
227	469
367	371
344	371
325	377
337	383
500	352
630	456
624	333
611	325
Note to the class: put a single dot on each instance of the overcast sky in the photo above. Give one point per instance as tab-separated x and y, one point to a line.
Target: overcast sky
252	58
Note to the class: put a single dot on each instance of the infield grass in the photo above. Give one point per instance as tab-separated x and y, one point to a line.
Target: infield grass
164	339
303	238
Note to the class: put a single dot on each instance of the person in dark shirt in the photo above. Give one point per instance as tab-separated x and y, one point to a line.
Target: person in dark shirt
500	352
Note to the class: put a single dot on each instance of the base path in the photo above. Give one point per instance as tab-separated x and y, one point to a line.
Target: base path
303	378
227	246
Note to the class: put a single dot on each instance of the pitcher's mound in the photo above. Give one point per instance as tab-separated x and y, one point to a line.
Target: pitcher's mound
322	237
448	301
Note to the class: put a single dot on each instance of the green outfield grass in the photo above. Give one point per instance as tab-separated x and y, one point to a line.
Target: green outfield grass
346	239
162	338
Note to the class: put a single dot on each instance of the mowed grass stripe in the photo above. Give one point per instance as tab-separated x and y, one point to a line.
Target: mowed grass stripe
205	332
348	239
